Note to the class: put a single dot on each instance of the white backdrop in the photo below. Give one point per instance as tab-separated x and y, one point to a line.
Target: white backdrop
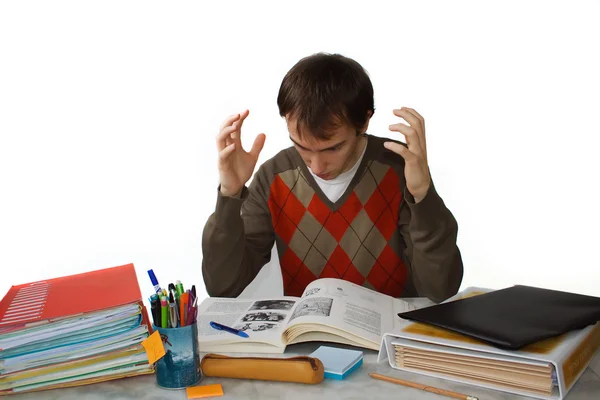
109	109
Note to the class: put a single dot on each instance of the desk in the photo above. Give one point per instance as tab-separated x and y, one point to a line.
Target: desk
357	386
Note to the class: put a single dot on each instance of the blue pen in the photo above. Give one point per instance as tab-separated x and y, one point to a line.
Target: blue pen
222	327
154	281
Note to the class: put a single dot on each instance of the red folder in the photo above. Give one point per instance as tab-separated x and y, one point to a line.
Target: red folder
70	295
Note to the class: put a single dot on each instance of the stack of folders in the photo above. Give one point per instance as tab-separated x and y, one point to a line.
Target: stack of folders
526	375
72	331
545	369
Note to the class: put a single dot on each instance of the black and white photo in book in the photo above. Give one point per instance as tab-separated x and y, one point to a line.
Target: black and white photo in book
312	291
313	306
255	326
269	316
273	305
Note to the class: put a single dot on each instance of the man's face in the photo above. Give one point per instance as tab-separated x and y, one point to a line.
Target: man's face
328	158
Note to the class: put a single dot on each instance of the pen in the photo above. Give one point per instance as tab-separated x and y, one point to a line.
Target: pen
191	318
172	312
163	312
154	281
173	292
422	387
154	307
195	310
222	327
194	290
189	307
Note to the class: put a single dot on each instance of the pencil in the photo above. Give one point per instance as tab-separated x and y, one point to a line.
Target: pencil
423	387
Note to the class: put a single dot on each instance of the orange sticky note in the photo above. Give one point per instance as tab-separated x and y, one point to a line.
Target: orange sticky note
199	392
154	347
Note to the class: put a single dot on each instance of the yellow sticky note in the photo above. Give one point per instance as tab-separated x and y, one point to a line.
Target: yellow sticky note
154	347
199	392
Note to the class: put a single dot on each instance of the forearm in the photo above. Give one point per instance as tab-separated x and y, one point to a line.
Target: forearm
231	257
435	259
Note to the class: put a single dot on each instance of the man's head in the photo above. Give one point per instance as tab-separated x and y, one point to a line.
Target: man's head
327	101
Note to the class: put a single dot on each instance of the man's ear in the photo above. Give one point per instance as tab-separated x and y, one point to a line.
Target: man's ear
366	127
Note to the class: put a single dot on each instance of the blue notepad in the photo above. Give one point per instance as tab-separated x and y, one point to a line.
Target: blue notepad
338	363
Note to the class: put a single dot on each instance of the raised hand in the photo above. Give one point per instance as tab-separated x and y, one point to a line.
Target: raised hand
235	164
416	169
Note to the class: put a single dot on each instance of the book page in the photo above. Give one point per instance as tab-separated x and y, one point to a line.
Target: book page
345	306
263	320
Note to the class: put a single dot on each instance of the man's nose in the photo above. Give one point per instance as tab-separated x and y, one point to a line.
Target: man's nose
317	165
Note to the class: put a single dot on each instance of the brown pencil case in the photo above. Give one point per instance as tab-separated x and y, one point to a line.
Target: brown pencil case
295	369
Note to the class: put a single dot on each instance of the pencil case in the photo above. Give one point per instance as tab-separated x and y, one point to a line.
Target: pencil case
300	369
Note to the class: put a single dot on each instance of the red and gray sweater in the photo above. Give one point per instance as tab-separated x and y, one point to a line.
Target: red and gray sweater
374	235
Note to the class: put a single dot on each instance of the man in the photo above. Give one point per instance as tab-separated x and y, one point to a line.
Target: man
339	203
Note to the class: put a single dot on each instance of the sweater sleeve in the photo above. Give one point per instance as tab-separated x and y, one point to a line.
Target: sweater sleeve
237	240
430	232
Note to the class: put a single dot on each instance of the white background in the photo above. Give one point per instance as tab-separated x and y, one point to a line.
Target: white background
109	109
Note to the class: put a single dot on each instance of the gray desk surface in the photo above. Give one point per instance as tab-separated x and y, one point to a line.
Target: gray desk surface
357	386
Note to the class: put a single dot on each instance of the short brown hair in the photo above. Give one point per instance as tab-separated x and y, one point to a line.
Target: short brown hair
324	90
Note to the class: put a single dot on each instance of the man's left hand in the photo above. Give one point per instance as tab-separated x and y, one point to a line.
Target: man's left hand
416	169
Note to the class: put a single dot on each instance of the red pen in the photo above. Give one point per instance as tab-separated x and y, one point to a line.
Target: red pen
183	308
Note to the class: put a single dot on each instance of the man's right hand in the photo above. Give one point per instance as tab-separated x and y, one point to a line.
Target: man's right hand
235	164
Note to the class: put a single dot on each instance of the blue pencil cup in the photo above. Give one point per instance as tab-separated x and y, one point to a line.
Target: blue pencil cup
180	367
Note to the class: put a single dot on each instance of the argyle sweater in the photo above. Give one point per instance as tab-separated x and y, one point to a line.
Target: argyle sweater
374	235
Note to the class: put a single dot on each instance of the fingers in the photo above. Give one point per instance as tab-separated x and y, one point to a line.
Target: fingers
401	150
223	137
236	135
417	122
226	153
422	131
258	145
243	116
230	130
412	137
229	120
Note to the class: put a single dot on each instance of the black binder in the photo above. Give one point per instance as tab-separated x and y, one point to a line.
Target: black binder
513	317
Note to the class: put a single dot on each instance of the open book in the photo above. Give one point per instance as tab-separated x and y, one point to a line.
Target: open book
330	310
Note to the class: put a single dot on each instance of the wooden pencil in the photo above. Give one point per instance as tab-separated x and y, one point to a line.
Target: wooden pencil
423	387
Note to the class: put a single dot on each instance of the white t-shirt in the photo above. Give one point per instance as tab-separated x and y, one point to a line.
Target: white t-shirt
335	188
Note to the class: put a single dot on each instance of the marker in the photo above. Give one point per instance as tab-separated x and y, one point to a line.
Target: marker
221	327
179	287
154	281
183	305
164	312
